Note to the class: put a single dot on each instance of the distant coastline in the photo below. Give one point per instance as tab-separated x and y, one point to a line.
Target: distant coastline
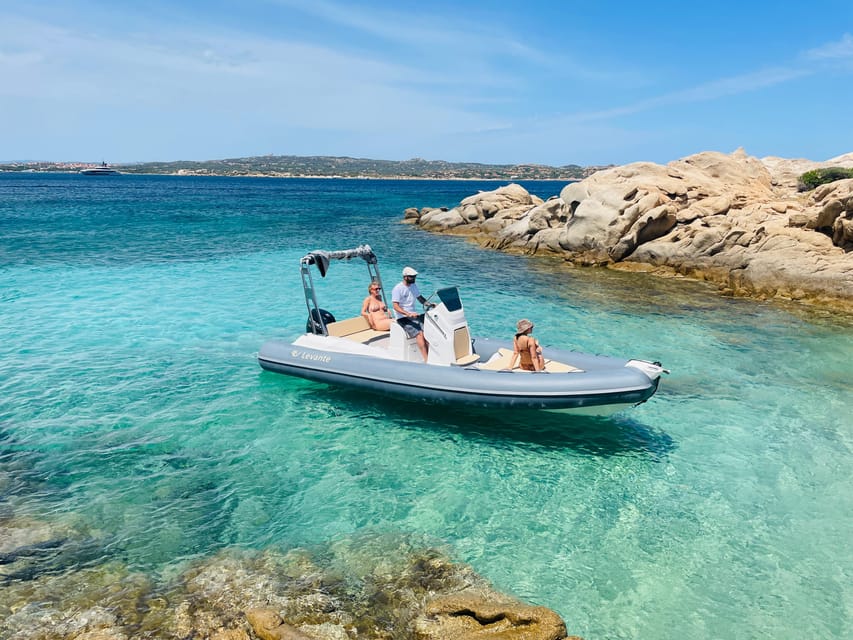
324	167
307	177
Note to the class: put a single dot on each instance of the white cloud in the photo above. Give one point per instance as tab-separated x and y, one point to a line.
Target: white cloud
416	30
705	92
212	77
841	50
472	48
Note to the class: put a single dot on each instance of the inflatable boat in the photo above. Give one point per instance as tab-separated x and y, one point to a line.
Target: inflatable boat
460	369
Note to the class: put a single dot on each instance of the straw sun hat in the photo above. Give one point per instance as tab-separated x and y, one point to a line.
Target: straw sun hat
523	325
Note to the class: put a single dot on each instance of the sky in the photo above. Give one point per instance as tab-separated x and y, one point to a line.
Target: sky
556	83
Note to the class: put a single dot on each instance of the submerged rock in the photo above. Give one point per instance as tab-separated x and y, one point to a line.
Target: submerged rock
107	601
31	548
731	219
368	587
268	625
470	616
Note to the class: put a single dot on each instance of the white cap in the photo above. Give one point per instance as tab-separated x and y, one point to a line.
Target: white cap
408	271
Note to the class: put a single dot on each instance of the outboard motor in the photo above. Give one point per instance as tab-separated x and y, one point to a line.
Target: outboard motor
314	325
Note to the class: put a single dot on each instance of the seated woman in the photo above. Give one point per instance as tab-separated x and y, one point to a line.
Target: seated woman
527	348
374	310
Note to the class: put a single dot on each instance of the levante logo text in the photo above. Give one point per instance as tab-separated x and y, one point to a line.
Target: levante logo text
304	355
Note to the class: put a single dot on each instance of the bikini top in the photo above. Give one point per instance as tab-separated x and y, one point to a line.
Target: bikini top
374	305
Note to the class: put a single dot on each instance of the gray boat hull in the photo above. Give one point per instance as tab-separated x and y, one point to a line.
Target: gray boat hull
604	385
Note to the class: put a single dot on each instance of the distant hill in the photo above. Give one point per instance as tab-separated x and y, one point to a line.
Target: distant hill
328	166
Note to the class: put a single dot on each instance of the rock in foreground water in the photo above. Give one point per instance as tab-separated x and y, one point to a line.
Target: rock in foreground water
469	616
371	588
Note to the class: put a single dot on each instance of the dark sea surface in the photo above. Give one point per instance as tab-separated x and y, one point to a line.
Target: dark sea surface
132	405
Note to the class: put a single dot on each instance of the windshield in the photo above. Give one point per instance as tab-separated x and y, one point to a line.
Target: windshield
450	298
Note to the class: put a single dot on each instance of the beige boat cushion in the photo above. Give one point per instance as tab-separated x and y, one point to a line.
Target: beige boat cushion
552	366
464	361
500	361
356	329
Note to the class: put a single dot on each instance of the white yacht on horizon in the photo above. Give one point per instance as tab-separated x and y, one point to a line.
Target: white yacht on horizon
103	170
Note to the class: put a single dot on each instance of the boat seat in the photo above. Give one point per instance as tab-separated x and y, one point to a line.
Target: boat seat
465	361
552	366
500	361
356	329
368	335
462	347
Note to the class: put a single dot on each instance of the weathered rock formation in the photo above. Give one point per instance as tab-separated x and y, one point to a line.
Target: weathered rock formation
61	579
268	625
470	616
730	219
368	588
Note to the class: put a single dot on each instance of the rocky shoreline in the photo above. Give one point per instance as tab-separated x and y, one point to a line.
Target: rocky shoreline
731	219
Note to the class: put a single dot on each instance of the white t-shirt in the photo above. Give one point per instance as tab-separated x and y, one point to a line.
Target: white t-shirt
405	296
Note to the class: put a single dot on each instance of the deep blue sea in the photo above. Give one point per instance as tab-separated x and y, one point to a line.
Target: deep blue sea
131	311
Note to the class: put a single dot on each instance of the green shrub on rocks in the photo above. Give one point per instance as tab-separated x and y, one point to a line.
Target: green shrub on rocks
816	177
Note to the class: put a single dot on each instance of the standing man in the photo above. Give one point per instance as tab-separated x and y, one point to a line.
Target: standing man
403	297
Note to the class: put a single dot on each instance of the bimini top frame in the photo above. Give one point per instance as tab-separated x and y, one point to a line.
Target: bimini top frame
322	259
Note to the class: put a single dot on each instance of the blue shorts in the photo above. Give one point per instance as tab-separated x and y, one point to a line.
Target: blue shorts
412	326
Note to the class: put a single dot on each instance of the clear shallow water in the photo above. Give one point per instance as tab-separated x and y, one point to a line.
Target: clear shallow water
131	310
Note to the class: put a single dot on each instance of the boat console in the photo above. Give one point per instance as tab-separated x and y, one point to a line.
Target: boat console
446	330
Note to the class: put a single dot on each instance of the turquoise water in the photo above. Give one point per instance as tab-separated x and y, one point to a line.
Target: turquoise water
130	400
